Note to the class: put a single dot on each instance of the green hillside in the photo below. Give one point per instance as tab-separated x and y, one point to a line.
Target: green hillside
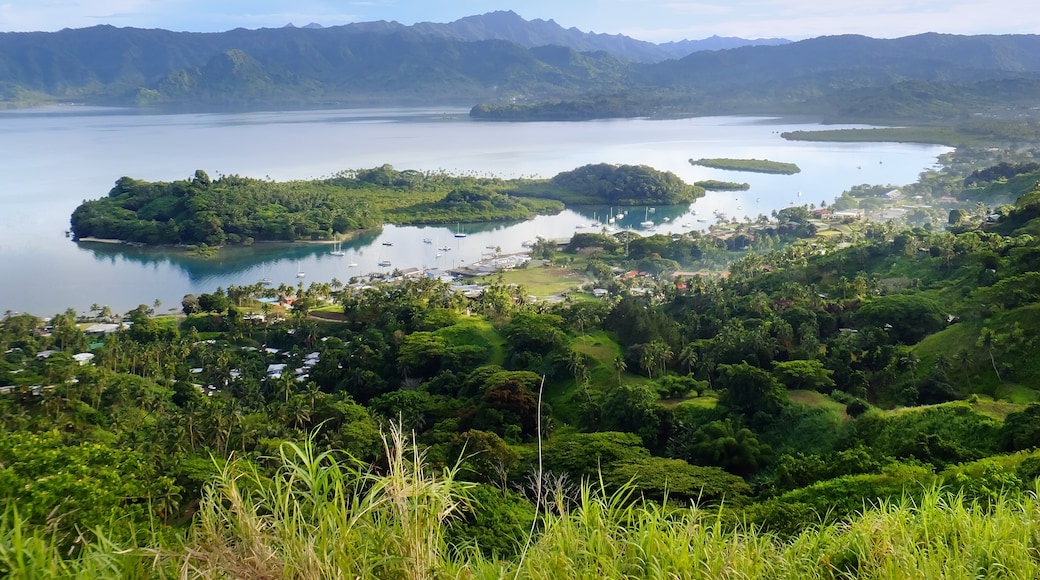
856	402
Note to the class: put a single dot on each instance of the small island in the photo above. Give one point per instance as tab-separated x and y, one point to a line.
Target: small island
936	135
752	165
716	185
234	210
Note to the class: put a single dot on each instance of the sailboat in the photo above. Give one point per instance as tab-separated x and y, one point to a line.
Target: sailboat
337	251
299	273
647	222
458	231
266	281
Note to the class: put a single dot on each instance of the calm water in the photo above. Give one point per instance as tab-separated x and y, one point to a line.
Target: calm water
53	159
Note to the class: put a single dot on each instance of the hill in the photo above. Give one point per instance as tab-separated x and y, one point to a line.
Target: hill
829	393
509	26
918	80
521	70
289	66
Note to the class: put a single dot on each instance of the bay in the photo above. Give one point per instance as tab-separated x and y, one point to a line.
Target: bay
54	158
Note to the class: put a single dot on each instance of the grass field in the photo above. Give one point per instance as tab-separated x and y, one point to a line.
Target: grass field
540	281
818	401
999	410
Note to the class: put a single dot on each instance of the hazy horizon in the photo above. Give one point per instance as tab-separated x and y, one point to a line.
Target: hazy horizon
654	20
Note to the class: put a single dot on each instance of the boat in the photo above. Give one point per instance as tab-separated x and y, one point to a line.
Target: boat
458	232
337	252
384	263
439	254
444	248
299	273
266	281
352	265
427	241
527	244
490	247
647	222
388	243
667	219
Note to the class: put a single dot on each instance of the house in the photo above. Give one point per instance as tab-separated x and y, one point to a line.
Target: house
104	329
275	370
83	358
855	214
411	273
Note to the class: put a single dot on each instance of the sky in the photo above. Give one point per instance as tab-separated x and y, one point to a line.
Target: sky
651	20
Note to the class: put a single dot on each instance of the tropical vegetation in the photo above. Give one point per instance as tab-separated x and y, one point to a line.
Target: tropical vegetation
241	210
752	165
858	404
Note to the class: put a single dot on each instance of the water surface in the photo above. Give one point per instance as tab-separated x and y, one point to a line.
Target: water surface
53	159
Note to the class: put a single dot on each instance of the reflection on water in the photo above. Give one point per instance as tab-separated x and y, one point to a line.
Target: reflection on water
52	161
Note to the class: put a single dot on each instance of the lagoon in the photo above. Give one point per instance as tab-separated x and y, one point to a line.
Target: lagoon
52	159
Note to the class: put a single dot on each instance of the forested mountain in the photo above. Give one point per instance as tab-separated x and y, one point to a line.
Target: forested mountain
851	78
507	25
289	65
820	65
521	70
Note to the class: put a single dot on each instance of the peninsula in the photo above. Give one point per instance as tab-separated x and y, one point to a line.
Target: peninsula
234	210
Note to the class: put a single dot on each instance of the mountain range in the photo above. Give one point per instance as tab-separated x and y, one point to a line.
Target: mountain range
522	69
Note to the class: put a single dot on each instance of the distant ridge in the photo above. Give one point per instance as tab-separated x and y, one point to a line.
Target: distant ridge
513	69
508	25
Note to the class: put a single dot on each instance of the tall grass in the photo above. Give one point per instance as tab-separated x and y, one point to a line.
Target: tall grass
323	517
31	553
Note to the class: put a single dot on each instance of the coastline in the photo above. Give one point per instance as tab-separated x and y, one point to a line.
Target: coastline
192	248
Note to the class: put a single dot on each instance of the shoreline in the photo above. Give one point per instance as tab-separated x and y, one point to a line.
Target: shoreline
191	248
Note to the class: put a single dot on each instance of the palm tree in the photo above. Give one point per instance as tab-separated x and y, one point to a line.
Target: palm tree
909	362
656	353
619	367
988	340
688	356
646	360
